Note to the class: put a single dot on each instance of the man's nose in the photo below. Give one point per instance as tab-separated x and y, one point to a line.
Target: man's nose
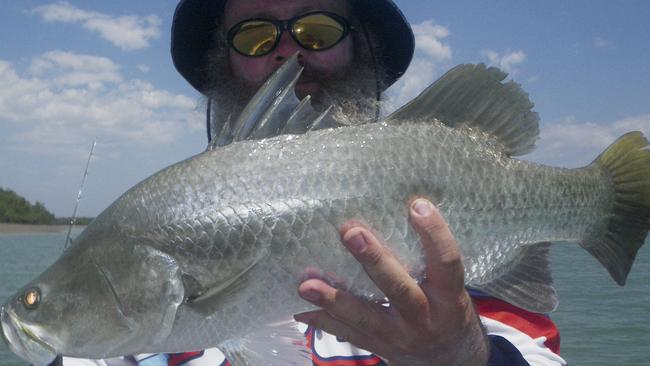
286	48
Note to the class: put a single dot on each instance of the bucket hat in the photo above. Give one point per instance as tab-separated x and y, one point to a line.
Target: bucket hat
195	22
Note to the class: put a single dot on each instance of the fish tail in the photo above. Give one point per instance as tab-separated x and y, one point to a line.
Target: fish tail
628	162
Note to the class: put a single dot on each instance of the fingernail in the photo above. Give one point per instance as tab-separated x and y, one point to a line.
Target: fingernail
311	296
422	207
357	243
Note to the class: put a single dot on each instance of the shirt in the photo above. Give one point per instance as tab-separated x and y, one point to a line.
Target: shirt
517	338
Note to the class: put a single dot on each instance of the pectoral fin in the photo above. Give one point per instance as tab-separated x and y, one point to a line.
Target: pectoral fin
216	298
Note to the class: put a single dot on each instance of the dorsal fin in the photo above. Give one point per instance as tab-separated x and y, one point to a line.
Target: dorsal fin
225	133
302	113
474	96
275	110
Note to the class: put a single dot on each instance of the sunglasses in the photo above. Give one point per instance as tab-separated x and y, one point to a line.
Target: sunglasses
315	31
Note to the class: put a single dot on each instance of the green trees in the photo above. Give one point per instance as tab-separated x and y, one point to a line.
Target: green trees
16	209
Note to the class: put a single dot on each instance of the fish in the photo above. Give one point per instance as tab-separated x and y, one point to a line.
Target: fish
209	251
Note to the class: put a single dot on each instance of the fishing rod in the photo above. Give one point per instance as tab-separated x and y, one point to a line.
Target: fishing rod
68	240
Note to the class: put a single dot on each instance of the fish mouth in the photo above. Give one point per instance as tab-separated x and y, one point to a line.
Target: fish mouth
23	341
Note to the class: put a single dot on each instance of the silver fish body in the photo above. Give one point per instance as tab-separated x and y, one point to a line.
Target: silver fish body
211	249
283	200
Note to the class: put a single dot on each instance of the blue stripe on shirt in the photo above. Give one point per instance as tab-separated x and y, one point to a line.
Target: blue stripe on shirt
503	353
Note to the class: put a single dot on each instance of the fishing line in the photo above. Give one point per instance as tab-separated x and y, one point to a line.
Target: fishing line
68	240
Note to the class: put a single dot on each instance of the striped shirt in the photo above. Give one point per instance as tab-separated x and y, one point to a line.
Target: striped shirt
517	338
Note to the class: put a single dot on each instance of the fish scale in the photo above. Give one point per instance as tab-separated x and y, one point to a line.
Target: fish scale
307	184
457	209
210	251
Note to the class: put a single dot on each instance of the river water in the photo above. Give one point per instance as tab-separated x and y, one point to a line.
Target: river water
600	322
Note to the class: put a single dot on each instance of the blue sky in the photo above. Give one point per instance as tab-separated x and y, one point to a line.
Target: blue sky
74	70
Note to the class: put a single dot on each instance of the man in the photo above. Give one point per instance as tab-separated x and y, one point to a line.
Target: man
351	51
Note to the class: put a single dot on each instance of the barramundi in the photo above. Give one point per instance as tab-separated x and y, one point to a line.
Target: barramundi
209	251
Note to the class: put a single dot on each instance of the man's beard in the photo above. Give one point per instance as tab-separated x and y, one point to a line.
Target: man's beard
352	93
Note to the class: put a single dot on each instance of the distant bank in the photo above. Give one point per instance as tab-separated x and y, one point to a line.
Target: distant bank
9	228
19	215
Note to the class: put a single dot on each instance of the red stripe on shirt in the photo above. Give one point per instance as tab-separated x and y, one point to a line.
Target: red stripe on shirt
533	324
176	359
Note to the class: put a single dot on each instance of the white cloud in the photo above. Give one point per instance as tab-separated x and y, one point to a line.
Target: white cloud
432	54
533	79
144	68
428	40
574	144
601	42
65	98
506	61
69	69
128	32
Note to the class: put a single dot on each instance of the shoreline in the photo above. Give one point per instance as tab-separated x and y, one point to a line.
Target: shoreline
11	228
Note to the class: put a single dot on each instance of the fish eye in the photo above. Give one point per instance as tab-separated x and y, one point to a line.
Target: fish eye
32	298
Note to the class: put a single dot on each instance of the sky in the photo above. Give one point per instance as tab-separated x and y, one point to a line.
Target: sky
72	71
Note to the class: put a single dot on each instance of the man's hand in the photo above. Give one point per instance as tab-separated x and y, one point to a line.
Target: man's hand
433	323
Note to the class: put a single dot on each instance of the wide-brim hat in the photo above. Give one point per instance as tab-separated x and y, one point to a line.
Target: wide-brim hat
195	22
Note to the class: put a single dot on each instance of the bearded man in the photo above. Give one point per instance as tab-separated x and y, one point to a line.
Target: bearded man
351	51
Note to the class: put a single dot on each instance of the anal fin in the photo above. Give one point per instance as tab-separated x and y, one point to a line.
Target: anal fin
529	284
276	344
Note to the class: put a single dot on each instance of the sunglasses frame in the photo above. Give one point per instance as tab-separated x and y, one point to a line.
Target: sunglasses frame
282	25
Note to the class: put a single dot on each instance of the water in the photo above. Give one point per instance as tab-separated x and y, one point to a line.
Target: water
600	322
22	257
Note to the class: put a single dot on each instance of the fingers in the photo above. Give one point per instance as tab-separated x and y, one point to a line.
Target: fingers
344	306
387	272
443	258
424	321
322	320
